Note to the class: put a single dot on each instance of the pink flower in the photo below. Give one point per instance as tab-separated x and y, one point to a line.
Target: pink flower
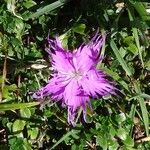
76	78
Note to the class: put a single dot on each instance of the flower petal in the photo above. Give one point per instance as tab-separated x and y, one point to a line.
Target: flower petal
74	98
87	56
55	88
61	59
95	84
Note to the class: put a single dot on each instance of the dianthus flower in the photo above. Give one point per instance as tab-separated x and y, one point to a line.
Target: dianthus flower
75	78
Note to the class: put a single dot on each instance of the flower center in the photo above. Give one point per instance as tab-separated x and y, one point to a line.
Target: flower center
76	74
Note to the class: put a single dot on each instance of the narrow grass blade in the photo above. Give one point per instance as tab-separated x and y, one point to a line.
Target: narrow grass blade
47	9
62	139
135	34
143	108
143	95
4	107
140	8
119	57
132	115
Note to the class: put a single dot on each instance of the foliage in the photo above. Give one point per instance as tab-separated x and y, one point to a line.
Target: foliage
120	122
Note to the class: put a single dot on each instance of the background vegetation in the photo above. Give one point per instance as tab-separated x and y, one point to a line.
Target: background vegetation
114	123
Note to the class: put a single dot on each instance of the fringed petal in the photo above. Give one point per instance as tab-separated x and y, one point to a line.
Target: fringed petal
61	59
74	98
95	84
54	88
87	56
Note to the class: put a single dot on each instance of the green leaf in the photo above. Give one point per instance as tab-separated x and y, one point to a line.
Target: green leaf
121	133
9	125
113	145
12	87
19	144
18	125
7	91
4	106
74	134
143	107
119	58
132	48
27	145
147	65
64	39
112	131
16	144
47	9
33	133
120	118
129	141
25	113
79	28
102	141
29	3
